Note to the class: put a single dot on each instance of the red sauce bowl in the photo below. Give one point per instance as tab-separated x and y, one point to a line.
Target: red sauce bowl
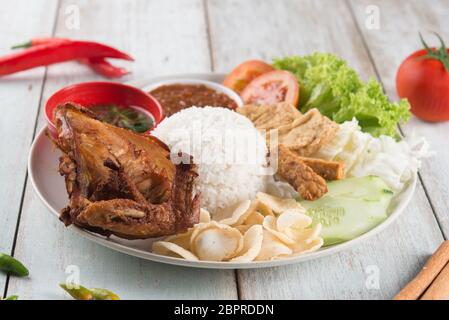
90	94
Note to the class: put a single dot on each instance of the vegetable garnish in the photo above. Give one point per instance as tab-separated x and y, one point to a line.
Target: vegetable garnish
244	73
272	87
12	266
395	162
43	53
129	118
346	214
423	78
79	292
330	85
11	298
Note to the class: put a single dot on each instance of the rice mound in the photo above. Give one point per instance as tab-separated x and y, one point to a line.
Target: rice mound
228	149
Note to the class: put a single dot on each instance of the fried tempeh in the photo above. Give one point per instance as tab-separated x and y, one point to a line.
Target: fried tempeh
300	176
329	170
302	133
267	117
308	133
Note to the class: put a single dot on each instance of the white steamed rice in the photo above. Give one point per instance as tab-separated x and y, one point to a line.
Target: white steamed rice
229	151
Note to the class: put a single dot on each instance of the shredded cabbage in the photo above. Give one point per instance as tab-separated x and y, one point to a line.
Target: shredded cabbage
330	85
364	155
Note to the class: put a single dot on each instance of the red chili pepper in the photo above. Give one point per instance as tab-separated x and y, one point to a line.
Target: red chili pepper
99	65
39	41
104	67
55	52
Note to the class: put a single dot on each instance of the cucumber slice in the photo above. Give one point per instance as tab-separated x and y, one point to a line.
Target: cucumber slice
350	208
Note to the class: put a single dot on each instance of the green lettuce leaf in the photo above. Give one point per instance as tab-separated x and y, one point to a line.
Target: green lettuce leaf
330	85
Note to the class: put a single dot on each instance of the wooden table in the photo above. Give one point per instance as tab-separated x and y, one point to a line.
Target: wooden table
179	36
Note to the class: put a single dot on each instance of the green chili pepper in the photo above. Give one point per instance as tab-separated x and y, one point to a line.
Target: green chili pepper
82	293
103	294
12	266
77	292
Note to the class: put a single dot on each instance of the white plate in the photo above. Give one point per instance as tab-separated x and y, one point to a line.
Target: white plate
49	185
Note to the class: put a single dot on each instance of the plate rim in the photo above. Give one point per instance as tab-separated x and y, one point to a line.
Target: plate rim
406	194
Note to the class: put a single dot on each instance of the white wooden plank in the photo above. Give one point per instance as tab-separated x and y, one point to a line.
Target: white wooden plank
19	94
242	30
253	29
164	37
415	16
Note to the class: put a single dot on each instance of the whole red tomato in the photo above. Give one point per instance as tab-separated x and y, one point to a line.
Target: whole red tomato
423	78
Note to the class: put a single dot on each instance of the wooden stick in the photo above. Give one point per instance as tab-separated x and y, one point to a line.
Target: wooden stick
415	288
439	289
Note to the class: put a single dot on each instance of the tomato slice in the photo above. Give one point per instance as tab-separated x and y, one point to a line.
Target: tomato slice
244	73
271	88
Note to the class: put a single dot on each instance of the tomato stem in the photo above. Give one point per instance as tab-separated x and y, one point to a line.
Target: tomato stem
441	54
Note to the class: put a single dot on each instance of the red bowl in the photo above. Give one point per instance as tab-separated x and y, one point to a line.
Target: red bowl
90	94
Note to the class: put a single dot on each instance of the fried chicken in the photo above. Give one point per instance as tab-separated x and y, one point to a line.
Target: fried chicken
120	182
